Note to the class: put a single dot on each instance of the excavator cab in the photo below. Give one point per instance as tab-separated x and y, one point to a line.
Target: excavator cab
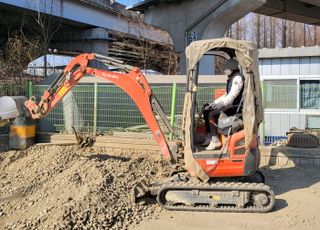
239	155
225	180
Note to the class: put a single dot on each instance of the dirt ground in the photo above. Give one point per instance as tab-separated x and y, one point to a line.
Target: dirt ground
63	187
297	207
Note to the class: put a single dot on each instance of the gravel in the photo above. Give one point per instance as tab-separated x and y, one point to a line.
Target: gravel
64	187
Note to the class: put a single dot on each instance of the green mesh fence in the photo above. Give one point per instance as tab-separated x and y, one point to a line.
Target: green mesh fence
12	90
115	109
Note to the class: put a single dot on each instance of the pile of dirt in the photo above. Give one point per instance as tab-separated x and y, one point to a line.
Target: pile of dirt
64	187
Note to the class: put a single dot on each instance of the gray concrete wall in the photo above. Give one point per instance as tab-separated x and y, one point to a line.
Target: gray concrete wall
305	11
313	2
84	46
312	51
87	15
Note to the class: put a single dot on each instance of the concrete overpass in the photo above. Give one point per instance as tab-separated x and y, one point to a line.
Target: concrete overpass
190	20
85	24
305	11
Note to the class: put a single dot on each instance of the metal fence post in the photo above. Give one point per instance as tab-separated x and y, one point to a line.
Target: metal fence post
95	105
262	125
173	107
30	89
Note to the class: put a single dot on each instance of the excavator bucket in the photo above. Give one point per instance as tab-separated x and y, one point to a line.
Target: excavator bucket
143	190
84	140
11	108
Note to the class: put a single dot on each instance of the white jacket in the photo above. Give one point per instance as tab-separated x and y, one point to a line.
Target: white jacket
227	99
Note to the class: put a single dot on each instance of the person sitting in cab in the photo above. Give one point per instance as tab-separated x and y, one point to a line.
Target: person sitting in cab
230	103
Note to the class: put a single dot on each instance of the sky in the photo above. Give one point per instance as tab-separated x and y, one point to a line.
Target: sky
127	2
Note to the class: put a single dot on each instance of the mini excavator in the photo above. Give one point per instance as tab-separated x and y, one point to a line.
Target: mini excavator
226	180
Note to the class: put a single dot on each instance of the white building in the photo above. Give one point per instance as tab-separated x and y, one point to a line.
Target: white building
291	88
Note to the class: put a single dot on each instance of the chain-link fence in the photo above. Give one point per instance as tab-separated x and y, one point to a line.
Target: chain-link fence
12	90
115	110
287	105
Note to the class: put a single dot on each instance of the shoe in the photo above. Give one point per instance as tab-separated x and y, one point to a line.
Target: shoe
214	145
206	142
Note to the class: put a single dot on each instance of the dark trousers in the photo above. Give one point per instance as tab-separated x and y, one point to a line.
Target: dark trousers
211	117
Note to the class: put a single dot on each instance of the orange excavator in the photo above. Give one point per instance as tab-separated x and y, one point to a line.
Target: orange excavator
226	180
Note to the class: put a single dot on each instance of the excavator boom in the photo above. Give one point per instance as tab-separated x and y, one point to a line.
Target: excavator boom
131	80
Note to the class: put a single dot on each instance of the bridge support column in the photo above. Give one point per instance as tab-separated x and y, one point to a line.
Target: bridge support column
195	20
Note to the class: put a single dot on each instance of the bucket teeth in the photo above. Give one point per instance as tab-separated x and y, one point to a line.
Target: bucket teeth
82	140
141	190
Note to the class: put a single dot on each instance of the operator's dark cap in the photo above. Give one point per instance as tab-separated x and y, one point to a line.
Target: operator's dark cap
231	64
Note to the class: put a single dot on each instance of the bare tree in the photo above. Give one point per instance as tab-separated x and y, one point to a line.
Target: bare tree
274	32
47	25
265	32
258	30
18	52
238	30
315	35
284	33
143	52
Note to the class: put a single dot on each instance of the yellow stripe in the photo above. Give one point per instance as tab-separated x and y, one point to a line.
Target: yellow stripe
62	91
3	123
23	131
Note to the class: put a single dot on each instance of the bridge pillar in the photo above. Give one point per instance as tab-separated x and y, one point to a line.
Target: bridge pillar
187	21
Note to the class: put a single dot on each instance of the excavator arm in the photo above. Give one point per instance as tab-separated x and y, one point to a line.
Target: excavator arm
132	81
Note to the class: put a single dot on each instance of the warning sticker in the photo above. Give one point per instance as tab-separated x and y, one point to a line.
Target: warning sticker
211	162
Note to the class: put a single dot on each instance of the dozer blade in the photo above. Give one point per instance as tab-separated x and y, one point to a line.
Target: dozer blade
12	107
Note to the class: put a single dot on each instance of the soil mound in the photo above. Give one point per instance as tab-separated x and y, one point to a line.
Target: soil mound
64	187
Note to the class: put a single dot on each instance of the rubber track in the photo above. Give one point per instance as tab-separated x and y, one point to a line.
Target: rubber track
219	186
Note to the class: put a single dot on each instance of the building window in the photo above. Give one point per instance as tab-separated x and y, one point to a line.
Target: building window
280	94
313	122
310	94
